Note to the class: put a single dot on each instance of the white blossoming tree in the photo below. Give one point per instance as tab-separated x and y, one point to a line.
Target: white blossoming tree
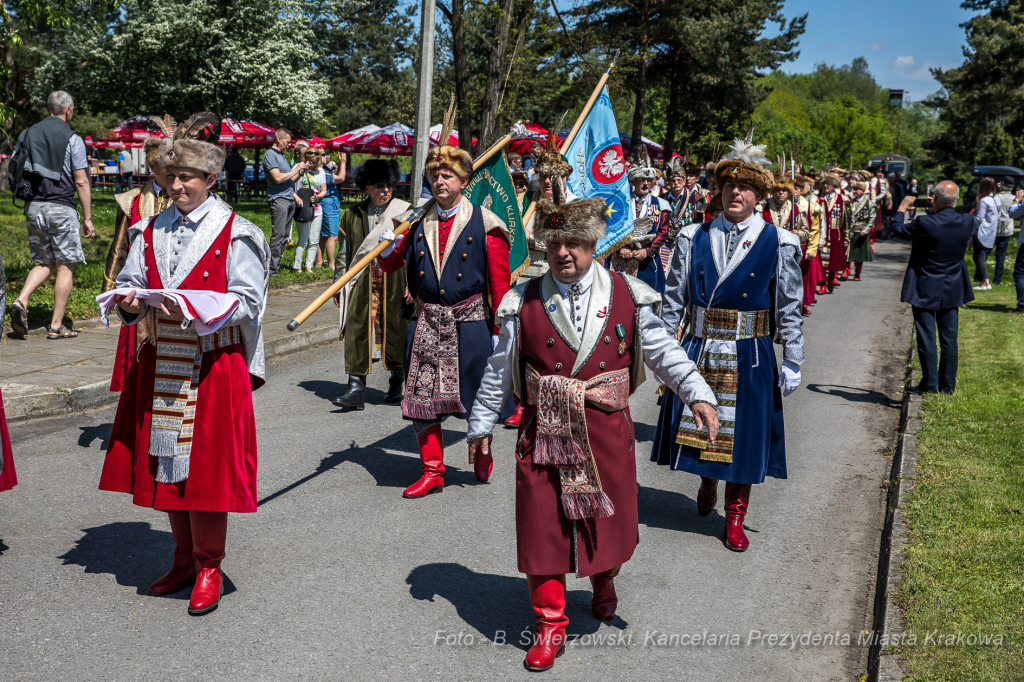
250	58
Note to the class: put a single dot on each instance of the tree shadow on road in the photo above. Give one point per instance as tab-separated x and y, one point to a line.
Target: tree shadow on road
391	470
132	551
490	603
99	432
854	395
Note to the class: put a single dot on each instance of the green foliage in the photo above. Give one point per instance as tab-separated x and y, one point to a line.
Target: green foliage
250	58
981	101
838	111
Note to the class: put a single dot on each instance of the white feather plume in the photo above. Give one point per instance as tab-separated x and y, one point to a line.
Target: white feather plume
748	152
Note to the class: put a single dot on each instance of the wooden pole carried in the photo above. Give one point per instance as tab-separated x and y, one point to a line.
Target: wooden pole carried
572	133
518	130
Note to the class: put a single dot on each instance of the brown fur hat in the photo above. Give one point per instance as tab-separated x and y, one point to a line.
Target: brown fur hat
154	147
549	161
185	150
746	164
585	220
784	182
454	159
831	179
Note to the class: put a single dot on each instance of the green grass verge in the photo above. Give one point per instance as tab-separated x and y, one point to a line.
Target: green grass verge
89	277
964	568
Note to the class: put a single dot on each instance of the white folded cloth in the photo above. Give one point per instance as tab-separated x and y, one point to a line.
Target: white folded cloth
207	310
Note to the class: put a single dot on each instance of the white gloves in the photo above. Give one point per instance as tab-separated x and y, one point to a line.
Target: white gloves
789	377
389	236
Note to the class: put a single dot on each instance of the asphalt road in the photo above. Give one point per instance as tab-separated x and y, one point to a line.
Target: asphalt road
338	577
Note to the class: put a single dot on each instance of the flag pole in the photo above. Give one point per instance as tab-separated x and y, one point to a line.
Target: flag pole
572	133
518	130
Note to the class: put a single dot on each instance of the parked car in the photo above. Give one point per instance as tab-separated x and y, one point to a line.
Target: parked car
998	172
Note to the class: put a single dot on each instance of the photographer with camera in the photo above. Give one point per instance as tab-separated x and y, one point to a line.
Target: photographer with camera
937	282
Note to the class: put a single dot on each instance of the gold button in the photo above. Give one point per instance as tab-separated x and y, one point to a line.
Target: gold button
421	254
459	276
419	236
469	240
463	256
421	273
442	292
558	366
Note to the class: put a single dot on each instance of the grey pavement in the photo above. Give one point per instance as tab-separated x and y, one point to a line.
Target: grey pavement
41	378
337	577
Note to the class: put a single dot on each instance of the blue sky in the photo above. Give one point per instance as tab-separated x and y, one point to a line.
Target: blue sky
900	39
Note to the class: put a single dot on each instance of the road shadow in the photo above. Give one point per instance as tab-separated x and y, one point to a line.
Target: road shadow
391	470
644	432
854	395
490	603
132	551
92	433
677	512
328	390
3	547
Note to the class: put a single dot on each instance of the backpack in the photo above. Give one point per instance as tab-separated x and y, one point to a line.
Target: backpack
21	188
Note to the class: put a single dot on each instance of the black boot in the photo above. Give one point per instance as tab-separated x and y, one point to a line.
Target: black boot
354	397
395	392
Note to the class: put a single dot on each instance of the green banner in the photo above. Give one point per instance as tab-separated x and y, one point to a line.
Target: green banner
493	189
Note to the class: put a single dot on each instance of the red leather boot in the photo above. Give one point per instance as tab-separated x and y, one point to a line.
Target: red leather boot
183	570
209	535
482	467
737	497
431	446
547	596
707	495
605	600
513	421
805	311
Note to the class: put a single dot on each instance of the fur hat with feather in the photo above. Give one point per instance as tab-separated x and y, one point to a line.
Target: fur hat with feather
585	221
154	146
745	164
446	156
642	167
550	162
187	151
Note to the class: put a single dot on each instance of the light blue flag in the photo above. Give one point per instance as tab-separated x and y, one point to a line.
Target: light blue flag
599	170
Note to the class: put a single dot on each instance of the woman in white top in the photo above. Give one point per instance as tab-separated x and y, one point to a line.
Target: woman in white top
311	186
986	218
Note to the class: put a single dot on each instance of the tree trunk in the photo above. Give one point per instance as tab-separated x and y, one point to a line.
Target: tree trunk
495	73
641	98
458	20
672	114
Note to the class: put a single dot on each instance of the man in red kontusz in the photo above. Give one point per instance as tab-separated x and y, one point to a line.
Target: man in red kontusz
456	260
184	435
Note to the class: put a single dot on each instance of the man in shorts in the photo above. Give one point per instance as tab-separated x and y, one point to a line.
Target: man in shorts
57	169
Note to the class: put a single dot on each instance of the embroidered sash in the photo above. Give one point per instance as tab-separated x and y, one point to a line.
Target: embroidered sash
718	363
562	437
179	359
433	384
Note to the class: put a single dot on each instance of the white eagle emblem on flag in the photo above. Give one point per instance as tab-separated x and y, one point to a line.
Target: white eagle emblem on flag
611	164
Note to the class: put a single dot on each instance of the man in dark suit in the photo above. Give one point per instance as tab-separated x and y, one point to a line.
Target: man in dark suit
936	283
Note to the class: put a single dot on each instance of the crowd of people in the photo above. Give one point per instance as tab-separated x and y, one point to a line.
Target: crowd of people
725	260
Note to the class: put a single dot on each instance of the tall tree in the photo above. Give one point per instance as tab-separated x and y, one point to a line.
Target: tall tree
251	58
456	17
495	72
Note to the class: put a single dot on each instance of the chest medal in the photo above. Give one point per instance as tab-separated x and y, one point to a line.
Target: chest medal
620	332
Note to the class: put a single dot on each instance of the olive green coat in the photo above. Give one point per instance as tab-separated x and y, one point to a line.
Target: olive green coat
355	225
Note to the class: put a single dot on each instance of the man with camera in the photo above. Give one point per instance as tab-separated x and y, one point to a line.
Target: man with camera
937	282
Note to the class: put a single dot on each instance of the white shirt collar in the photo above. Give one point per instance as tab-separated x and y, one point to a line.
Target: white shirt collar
197	214
443	214
585	281
742	226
